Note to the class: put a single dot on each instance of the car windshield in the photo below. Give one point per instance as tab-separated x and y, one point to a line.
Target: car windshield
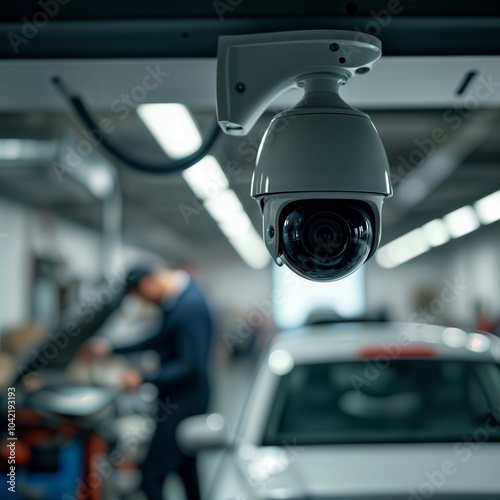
409	400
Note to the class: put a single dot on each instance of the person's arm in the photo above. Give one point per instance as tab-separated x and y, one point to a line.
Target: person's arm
184	366
142	345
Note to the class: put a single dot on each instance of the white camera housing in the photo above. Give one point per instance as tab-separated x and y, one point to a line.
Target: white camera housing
321	172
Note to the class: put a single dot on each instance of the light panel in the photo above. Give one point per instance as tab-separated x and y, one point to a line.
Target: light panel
251	249
439	231
221	207
209	183
403	249
462	221
173	127
206	178
235	224
488	208
435	233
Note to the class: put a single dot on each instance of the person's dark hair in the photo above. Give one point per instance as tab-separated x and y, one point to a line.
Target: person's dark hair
135	275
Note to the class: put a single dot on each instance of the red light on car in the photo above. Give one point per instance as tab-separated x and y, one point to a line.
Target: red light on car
396	351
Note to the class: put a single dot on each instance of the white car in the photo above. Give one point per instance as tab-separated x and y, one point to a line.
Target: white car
364	411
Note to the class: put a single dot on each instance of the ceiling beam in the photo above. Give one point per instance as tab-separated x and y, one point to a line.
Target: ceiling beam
402	35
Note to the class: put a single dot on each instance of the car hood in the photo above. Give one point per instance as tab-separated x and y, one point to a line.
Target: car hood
400	471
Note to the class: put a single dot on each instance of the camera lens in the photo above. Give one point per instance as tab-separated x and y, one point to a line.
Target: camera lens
326	234
325	240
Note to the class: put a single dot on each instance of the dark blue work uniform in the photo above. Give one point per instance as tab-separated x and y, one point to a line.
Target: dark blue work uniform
183	343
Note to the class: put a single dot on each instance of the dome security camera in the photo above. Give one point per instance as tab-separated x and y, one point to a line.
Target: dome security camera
321	172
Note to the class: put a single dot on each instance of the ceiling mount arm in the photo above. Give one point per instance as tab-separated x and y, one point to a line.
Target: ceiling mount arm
243	93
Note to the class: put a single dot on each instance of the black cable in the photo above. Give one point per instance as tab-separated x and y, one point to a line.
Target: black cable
97	135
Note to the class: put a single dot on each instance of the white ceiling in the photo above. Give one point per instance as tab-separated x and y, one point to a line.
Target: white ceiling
407	98
395	82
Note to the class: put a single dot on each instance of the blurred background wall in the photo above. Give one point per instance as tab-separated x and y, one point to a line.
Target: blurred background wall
28	236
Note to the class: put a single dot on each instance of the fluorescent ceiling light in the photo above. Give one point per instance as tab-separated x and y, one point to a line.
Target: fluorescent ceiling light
222	206
206	178
403	249
227	211
28	149
439	231
235	225
251	249
384	259
210	184
173	128
461	221
488	208
435	233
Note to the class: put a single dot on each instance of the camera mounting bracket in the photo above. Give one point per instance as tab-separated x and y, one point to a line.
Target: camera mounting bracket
252	70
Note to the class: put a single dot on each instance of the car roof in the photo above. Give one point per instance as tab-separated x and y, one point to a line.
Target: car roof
350	340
